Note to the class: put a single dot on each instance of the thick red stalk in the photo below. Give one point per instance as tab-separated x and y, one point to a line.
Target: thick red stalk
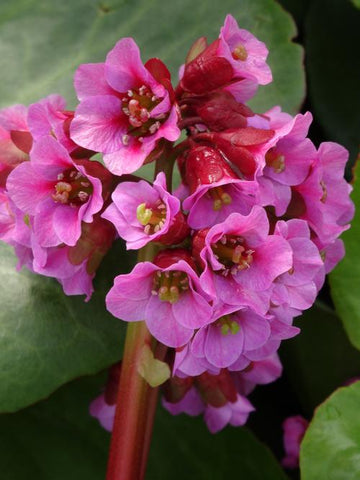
135	407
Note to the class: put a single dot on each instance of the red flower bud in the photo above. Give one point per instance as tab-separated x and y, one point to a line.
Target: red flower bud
95	241
205	165
22	140
167	257
198	243
221	111
177	232
207	72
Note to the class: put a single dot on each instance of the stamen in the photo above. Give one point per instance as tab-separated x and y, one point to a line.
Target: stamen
240	52
275	160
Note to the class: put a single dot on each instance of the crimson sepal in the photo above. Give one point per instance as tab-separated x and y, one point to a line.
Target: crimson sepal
220	111
168	257
176	388
177	232
216	390
205	165
207	72
198	243
95	241
22	140
161	74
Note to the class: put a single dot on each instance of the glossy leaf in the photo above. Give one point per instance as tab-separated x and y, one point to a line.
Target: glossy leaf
43	42
57	439
332	38
345	279
47	338
331	446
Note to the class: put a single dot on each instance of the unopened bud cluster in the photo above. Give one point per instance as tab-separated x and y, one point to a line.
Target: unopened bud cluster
243	245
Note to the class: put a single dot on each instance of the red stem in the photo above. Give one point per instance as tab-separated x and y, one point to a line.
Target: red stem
135	406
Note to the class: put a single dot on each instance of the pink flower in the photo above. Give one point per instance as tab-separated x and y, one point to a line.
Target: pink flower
166	294
15	139
49	116
246	54
103	412
143	213
213	395
216	191
297	287
324	196
59	193
125	107
294	431
242	261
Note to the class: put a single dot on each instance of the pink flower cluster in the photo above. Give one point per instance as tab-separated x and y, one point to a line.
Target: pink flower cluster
243	245
52	195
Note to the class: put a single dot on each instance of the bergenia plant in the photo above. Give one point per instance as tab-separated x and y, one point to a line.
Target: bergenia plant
227	257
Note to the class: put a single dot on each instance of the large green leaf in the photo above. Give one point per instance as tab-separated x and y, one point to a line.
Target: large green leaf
56	440
345	279
320	359
332	38
331	446
42	42
47	338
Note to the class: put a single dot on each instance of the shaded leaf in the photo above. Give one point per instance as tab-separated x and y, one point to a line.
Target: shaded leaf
57	439
320	359
345	279
42	42
47	338
331	446
332	38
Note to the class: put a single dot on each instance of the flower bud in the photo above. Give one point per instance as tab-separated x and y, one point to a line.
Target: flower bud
220	111
177	232
205	165
167	257
207	71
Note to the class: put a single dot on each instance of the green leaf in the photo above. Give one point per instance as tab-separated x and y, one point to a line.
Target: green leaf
345	279
42	42
57	439
47	338
332	38
320	359
331	446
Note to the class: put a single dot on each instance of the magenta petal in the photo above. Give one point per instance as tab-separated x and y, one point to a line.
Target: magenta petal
191	404
127	159
163	325
128	297
90	81
273	258
103	412
216	418
222	350
256	329
192	310
44	225
99	124
49	158
26	189
67	224
124	69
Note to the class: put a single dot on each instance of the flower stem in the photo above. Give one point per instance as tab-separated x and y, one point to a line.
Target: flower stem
135	406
